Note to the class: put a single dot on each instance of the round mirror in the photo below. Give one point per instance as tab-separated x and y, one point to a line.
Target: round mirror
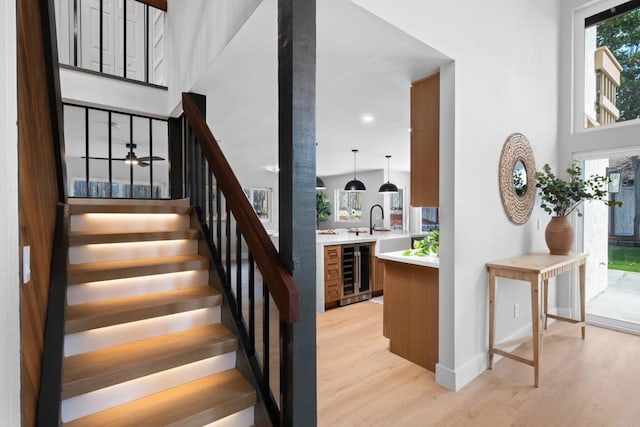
519	176
516	178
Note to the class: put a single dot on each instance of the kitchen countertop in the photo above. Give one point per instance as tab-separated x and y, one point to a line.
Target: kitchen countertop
344	236
424	261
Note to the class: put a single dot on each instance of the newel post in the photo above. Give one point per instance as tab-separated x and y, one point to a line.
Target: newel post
297	158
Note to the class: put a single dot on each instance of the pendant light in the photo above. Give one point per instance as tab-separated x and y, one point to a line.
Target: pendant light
388	187
320	185
354	184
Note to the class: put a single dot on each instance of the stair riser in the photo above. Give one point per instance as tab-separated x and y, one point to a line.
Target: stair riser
244	418
119	334
75	276
99	400
79	386
124	251
128	222
89	322
98	291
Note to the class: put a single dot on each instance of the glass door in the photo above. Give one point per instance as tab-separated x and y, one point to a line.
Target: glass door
612	239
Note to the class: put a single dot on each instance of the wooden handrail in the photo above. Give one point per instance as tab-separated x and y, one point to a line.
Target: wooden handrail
278	279
158	4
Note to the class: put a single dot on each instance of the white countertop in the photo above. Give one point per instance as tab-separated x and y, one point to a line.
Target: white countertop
424	261
344	236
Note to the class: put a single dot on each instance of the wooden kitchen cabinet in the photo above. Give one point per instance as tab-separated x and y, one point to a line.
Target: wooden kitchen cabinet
378	277
410	312
425	141
332	274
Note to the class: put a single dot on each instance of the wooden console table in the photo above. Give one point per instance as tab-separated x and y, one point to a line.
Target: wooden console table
535	268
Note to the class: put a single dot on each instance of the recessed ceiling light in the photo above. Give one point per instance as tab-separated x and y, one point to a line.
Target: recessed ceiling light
367	118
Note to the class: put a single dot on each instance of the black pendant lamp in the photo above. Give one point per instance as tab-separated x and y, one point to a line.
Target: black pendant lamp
320	185
354	184
388	187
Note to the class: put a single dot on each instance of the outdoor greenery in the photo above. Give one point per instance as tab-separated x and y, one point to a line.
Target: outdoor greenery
427	246
624	258
621	35
322	207
560	197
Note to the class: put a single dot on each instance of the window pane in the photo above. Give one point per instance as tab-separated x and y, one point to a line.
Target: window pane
612	67
348	206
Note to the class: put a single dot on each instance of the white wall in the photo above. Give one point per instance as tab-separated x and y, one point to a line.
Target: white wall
196	35
9	249
504	80
93	89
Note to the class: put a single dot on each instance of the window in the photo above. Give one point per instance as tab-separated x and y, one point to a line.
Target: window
348	206
429	219
396	210
612	65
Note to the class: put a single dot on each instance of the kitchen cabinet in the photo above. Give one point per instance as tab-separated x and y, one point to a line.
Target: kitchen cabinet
377	287
425	141
348	273
332	274
410	311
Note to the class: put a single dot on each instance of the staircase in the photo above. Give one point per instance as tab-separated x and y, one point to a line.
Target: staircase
144	344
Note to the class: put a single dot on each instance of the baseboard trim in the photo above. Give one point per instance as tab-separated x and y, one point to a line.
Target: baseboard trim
614	324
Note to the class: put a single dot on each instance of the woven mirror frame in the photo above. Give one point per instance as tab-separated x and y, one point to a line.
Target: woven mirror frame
518	192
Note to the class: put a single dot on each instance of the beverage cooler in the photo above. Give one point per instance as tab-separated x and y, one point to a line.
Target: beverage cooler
356	273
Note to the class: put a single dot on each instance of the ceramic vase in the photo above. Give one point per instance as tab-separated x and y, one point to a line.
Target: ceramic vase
559	235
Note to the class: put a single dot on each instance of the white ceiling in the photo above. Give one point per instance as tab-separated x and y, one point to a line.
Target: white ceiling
364	66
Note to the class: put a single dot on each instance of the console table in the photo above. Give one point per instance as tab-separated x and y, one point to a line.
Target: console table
535	268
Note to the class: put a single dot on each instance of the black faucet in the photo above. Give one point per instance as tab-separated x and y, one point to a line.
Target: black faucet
371	217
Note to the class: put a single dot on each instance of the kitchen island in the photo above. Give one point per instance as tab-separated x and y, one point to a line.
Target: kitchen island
329	263
411	306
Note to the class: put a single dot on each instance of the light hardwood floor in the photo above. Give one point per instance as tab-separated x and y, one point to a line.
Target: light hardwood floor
582	383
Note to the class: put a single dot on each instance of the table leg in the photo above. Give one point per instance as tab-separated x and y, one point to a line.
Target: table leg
535	316
492	320
582	270
546	301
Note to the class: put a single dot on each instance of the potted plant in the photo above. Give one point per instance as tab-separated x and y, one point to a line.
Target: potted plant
322	208
430	245
560	198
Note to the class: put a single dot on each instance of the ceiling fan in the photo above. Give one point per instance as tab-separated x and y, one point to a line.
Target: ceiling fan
130	158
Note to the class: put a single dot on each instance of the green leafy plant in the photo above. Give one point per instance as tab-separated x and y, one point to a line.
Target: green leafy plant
323	209
427	246
560	197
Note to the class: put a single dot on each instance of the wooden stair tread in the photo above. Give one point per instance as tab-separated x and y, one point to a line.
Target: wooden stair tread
94	370
131	209
108	270
98	314
195	403
90	237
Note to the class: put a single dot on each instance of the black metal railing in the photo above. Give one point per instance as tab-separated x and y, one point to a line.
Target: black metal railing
260	292
112	154
117	45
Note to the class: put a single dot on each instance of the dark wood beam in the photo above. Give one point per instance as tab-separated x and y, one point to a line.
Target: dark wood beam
297	206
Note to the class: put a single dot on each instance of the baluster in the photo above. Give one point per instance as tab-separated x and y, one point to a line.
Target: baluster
219	222
252	306
265	335
210	206
228	247
238	272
